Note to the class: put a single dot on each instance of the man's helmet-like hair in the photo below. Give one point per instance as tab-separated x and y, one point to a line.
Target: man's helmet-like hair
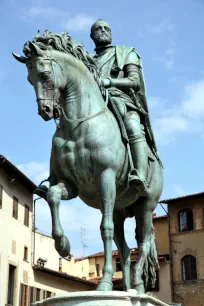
96	22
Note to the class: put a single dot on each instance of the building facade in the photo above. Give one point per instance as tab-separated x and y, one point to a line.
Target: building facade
186	232
30	268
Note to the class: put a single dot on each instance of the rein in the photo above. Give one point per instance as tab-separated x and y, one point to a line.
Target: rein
88	117
57	101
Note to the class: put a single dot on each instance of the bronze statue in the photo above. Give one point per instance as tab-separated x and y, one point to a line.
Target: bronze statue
90	156
121	73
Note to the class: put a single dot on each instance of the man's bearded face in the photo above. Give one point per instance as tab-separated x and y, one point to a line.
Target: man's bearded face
101	34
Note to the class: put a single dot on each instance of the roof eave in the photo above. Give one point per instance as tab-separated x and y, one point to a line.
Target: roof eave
14	172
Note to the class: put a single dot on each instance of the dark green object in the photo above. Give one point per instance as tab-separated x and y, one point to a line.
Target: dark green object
120	176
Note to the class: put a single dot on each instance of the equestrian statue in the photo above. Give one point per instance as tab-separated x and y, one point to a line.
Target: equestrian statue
103	150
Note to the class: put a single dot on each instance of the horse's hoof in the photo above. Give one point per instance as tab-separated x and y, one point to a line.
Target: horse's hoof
139	288
41	191
62	246
104	286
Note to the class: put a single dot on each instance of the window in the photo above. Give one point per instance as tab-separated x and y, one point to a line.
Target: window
11	280
37	294
26	215
97	270
44	294
1	196
189	270
31	295
25	257
118	265
185	220
15	208
24	295
48	294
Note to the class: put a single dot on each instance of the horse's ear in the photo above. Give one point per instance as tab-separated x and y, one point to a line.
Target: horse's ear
19	58
36	50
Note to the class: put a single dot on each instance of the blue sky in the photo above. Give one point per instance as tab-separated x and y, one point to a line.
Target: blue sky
167	35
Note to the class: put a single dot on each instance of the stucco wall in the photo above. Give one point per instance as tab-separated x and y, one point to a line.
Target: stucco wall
56	284
13	232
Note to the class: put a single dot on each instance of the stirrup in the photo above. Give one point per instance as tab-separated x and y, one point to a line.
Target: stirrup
133	179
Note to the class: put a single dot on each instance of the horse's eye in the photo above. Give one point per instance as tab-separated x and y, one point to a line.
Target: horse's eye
45	75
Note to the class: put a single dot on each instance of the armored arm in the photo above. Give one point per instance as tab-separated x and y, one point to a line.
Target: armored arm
131	75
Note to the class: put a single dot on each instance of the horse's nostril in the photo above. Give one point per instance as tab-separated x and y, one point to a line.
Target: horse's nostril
47	109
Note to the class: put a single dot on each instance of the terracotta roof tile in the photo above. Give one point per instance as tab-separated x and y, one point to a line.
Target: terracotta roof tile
167	201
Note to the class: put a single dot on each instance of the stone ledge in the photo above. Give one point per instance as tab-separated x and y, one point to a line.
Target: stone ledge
99	298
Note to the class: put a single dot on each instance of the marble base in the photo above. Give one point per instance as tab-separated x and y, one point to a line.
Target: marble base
100	298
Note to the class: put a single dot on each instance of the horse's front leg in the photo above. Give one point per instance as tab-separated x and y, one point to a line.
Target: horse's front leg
107	189
63	190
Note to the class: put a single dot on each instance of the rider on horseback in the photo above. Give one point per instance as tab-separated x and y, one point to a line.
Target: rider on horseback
121	73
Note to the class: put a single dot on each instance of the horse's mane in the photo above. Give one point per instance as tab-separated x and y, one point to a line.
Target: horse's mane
63	42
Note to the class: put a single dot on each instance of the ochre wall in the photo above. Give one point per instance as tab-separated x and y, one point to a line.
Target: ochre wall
188	243
161	235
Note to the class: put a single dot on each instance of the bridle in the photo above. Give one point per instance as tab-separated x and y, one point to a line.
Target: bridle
57	106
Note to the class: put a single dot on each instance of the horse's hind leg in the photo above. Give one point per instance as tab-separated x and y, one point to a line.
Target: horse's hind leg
55	193
143	214
107	190
124	251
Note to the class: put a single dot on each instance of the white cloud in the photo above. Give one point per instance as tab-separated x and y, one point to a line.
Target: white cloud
193	104
36	171
164	26
168	57
167	61
156	102
187	116
36	12
81	22
178	190
168	126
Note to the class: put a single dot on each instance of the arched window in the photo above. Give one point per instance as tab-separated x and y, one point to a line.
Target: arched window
189	270
185	218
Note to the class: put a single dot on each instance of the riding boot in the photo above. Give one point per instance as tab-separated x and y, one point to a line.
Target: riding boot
137	176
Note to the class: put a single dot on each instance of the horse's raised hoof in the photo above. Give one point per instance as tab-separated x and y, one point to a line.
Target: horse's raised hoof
62	246
104	286
41	191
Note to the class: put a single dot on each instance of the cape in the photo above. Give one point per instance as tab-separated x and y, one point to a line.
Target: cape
121	55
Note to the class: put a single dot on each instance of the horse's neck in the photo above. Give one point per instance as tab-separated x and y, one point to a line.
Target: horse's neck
82	96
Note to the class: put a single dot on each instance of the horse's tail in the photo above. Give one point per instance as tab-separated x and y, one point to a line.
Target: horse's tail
151	264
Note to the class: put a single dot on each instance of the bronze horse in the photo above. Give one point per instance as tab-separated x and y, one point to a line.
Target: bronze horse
89	158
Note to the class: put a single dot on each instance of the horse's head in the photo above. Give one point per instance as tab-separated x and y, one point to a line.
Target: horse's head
45	58
48	79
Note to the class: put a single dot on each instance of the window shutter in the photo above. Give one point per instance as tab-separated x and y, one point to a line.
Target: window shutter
15	207
26	215
21	295
31	295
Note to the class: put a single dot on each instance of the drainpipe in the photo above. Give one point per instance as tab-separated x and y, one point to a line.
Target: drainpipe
171	254
34	229
171	260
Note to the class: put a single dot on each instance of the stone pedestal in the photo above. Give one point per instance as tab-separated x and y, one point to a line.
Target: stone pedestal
99	298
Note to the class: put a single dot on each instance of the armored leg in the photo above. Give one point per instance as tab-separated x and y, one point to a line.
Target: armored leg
139	150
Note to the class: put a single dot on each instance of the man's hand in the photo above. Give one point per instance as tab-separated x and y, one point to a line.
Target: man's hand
106	83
